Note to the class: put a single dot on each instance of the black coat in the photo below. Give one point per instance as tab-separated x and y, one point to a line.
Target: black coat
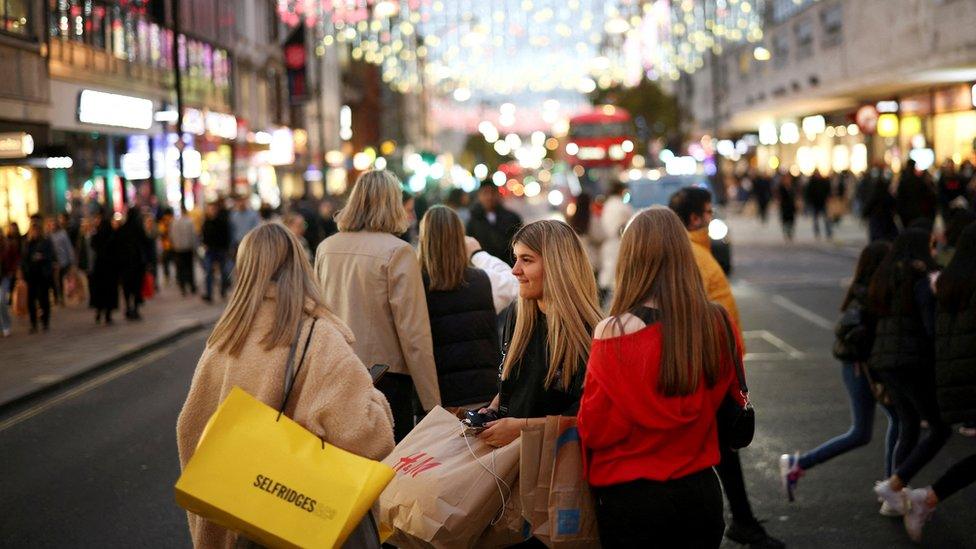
216	232
787	202
133	254
104	281
495	238
466	349
817	192
955	363
901	341
38	260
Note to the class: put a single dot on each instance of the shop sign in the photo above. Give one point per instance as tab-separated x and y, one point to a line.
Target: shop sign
867	119
221	125
281	150
888	125
16	145
112	109
920	104
193	122
956	98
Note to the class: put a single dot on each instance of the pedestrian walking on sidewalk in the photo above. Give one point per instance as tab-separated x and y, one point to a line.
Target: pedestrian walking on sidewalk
134	260
104	282
64	255
816	194
10	250
166	257
660	366
547	331
903	355
242	219
879	206
693	205
855	337
371	279
786	194
461	310
217	242
183	235
38	270
277	301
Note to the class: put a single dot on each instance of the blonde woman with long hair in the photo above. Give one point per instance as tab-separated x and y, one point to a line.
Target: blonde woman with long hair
276	303
547	339
372	280
659	368
461	308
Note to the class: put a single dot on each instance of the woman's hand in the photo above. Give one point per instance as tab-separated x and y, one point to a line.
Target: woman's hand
502	432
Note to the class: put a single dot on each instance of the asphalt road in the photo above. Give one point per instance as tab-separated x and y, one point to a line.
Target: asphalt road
94	466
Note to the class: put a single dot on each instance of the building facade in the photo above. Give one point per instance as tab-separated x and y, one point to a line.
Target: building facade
25	103
842	84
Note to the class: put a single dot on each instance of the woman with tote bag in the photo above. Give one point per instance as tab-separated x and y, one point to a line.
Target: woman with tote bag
332	396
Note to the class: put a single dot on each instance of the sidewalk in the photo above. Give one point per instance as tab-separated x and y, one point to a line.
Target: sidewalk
75	344
849	235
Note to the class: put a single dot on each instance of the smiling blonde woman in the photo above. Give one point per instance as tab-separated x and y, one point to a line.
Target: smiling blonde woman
550	327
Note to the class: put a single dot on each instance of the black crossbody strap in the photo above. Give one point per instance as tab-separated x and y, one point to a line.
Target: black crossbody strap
734	351
289	377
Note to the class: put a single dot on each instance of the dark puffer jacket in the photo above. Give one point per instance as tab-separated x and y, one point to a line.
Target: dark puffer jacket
955	363
466	350
902	340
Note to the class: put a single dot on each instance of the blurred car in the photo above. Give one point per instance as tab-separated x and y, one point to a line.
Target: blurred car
647	191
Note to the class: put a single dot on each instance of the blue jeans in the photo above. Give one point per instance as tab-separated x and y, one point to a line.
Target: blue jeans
862	423
220	258
819	215
6	283
913	393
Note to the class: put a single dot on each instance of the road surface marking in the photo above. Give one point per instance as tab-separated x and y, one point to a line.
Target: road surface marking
85	387
787	351
803	312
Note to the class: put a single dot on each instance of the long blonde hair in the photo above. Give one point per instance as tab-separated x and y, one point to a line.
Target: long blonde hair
656	263
375	204
443	256
269	256
569	290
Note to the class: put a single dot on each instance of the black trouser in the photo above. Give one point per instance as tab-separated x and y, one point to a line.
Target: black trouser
734	484
166	260
184	271
38	295
404	403
959	476
684	512
913	394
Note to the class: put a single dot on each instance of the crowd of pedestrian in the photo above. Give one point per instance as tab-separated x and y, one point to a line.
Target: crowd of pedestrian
503	318
906	340
886	202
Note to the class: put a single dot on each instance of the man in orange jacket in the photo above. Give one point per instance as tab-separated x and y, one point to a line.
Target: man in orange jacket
694	206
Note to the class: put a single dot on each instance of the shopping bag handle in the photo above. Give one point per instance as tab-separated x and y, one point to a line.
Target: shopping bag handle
289	378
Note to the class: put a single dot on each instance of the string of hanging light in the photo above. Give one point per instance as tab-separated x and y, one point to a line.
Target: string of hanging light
514	46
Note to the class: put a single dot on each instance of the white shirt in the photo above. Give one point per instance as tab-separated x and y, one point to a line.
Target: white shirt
504	285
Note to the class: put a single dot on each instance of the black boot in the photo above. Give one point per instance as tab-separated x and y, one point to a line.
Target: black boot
753	535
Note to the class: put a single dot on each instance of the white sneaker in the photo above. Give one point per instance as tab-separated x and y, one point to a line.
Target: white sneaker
887	511
918	513
895	500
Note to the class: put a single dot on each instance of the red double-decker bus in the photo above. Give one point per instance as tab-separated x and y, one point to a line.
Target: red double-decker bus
603	137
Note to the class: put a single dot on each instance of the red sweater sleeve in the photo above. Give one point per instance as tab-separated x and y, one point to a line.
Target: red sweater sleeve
600	424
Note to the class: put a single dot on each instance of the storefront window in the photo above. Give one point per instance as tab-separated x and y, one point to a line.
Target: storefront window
15	16
18	195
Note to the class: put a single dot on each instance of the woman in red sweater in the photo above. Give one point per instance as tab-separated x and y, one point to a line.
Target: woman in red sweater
659	368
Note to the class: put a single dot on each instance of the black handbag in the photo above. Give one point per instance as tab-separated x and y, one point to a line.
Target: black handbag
736	422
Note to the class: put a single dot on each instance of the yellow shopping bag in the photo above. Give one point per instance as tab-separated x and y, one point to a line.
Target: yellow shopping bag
258	472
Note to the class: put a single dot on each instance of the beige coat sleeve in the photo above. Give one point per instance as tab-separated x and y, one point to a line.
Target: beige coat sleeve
409	305
337	401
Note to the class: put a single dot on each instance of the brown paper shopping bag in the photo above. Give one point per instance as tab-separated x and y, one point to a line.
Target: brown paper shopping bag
555	496
447	488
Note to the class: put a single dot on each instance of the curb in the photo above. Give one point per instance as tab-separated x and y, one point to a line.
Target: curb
101	366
